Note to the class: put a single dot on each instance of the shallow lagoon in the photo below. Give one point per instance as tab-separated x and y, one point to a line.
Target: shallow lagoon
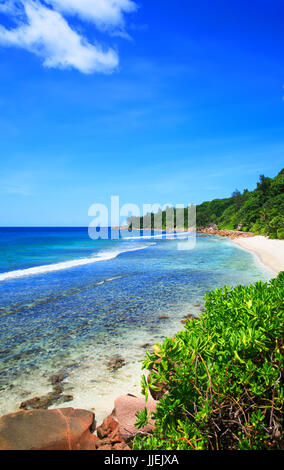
75	320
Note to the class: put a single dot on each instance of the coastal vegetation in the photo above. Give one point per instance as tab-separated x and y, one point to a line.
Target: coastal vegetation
260	211
220	379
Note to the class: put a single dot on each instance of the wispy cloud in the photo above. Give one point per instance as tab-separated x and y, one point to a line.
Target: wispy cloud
104	13
44	31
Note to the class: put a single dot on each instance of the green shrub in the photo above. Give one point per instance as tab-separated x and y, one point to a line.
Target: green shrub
223	374
280	234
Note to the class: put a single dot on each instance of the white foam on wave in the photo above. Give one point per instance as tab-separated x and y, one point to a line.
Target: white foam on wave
104	256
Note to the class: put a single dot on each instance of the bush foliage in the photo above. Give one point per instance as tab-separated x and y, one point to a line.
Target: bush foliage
260	211
223	374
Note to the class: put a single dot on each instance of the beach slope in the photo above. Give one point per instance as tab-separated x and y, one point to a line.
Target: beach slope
270	252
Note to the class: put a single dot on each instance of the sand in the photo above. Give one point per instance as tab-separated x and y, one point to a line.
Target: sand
270	252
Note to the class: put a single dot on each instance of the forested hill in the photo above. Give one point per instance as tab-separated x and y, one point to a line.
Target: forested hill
260	211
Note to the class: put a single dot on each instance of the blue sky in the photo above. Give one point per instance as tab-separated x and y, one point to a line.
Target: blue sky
154	101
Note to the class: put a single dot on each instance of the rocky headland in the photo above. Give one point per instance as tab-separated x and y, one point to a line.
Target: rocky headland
214	230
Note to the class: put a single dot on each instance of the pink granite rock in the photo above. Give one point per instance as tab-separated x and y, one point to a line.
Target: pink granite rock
60	429
107	427
126	407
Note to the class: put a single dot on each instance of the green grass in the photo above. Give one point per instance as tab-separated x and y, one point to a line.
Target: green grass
223	373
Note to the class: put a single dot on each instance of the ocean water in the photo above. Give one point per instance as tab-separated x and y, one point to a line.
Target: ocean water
69	304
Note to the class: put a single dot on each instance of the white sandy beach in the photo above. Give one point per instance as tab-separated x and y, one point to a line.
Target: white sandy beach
270	252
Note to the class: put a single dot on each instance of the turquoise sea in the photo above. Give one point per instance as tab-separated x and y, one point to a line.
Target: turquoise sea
70	305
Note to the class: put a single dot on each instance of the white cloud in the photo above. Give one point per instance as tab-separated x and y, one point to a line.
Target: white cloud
104	13
46	33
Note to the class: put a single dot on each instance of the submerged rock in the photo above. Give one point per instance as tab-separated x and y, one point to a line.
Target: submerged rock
55	397
189	317
58	378
45	401
115	363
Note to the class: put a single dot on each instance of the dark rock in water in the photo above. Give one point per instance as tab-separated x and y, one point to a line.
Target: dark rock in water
54	379
58	389
28	352
118	363
72	366
146	345
188	317
115	363
60	429
64	398
34	403
45	401
163	317
51	398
